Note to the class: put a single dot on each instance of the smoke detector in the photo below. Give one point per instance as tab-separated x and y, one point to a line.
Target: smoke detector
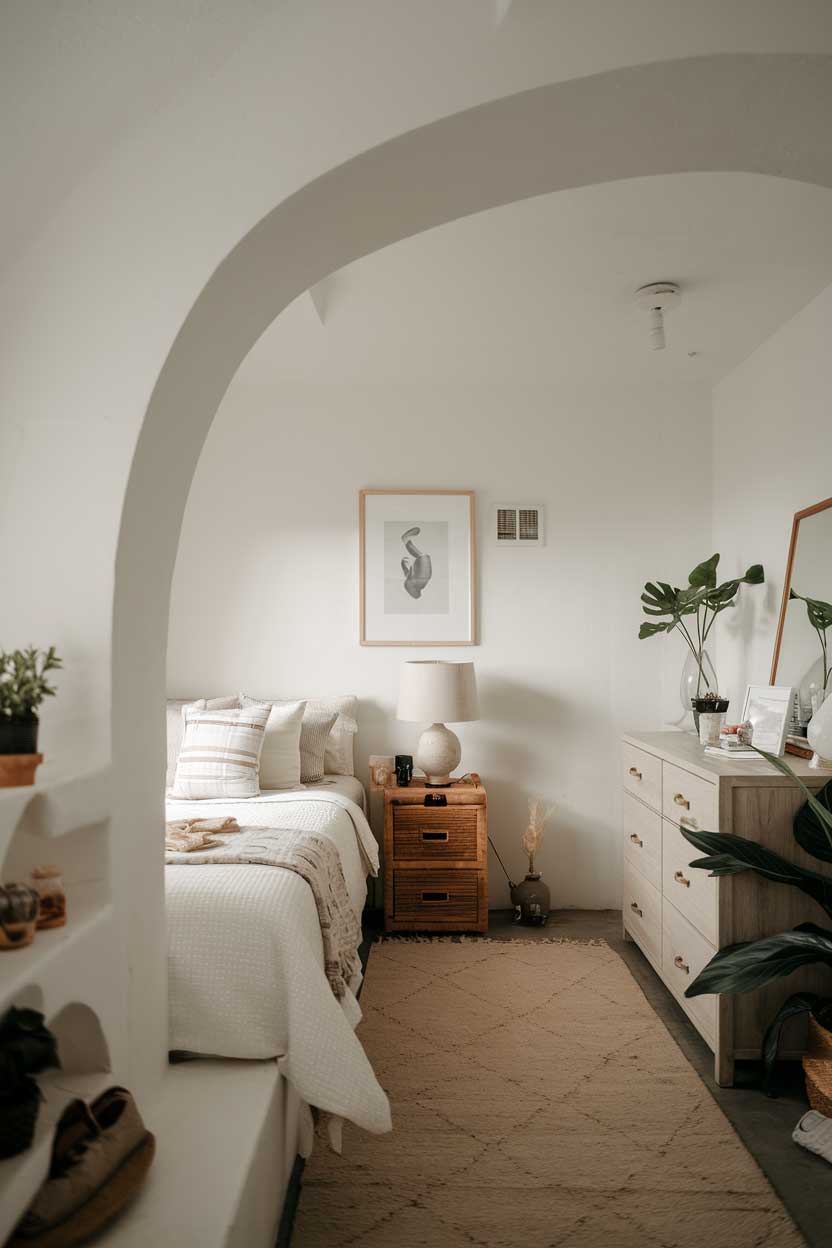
656	299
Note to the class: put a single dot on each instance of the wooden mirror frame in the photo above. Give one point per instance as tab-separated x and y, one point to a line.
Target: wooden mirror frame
787	583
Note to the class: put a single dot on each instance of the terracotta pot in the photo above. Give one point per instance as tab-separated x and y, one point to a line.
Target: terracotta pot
18	769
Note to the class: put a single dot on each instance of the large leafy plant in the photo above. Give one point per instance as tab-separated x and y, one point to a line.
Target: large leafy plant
699	603
23	683
741	968
820	618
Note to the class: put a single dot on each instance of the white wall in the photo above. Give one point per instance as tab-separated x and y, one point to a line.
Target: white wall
772	457
265	590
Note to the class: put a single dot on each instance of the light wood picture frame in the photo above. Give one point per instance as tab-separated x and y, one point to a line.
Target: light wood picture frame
417	568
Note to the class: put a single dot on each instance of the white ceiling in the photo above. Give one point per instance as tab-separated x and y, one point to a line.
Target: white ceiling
541	291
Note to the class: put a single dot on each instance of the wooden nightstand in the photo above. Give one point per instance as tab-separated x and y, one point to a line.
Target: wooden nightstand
436	858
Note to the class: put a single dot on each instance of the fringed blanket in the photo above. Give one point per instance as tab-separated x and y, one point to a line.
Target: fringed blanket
314	858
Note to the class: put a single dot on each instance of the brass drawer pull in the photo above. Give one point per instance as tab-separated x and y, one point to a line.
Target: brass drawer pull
635	773
434	836
436	896
681	964
636	840
634	906
681	800
680	879
686	821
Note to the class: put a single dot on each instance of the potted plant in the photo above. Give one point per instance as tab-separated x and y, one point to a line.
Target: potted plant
531	897
23	687
700	602
27	1046
747	966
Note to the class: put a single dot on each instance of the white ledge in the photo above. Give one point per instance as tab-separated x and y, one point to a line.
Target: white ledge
57	807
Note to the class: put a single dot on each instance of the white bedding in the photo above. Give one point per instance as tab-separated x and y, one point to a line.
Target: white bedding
245	956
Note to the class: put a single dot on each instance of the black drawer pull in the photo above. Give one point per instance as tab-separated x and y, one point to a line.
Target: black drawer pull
434	836
436	896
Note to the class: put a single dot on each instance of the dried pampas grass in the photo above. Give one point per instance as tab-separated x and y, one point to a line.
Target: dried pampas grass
532	838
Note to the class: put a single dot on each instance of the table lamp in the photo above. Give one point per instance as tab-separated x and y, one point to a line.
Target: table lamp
432	691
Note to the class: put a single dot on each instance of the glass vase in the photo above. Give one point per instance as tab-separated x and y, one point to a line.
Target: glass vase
696	682
819	734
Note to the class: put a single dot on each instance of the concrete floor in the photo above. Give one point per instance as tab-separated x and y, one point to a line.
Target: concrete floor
802	1181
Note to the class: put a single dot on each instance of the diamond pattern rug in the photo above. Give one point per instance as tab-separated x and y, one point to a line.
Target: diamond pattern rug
537	1099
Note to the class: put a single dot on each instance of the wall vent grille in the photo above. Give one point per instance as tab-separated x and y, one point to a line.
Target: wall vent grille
517	525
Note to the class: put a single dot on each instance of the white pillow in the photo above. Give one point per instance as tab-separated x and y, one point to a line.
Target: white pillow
176	724
280	761
338	756
220	753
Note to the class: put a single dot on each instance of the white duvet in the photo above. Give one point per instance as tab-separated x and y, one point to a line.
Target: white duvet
245	956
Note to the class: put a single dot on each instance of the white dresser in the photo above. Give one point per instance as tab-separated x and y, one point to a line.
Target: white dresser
679	917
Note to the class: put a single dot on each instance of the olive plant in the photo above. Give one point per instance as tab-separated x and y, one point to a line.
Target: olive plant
23	683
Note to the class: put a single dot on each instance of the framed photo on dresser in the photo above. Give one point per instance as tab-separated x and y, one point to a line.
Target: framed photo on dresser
417	577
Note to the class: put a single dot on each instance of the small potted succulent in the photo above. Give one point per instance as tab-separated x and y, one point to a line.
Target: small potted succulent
23	687
27	1047
711	703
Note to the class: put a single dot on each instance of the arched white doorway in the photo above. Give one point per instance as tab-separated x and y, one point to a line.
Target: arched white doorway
761	114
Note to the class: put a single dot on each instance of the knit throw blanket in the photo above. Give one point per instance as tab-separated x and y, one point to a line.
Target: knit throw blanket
314	858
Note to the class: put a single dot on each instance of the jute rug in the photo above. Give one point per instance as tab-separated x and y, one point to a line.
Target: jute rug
537	1100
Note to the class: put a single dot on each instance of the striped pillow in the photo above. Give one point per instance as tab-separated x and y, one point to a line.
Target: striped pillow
220	753
314	734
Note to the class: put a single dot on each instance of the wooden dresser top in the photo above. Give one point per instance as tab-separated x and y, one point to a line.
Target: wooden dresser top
683	749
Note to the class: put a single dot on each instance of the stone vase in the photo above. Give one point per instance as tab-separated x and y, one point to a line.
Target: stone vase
531	899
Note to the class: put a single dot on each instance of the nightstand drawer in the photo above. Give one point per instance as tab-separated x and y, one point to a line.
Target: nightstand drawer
449	832
434	896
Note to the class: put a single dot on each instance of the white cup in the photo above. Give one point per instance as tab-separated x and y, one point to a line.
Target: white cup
710	725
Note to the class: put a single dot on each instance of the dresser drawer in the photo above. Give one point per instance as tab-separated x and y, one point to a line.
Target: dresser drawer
437	896
688	800
449	832
642	911
642	775
692	891
684	954
642	839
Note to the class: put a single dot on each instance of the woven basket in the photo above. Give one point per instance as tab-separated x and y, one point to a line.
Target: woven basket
817	1067
18	1116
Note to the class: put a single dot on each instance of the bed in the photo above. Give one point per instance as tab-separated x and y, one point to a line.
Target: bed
245	954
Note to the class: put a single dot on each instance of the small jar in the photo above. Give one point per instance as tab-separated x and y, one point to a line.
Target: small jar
745	732
48	884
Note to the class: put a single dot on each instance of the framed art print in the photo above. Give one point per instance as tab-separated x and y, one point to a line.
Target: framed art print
769	710
417	577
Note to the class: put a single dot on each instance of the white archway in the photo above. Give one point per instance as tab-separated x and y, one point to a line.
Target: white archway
746	113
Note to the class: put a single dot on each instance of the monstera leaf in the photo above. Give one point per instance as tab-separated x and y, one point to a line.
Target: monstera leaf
813	822
818	611
729	854
742	968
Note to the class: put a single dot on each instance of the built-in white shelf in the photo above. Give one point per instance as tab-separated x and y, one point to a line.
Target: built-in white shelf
55	807
215	1123
53	961
21	1176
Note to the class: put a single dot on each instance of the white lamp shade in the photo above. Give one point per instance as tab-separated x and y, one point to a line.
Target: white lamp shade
434	692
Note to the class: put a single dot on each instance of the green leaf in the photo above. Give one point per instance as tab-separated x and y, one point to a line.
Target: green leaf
822	813
818	611
704	574
748	855
742	968
813	833
792	1007
650	630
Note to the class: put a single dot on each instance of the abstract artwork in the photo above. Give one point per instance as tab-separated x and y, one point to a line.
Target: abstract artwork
417	567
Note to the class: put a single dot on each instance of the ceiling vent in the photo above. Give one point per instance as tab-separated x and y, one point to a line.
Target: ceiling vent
518	525
656	299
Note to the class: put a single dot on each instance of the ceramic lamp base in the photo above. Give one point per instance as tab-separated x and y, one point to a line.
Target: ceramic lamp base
437	754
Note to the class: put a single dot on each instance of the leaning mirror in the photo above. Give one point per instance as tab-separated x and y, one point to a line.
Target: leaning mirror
803	646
